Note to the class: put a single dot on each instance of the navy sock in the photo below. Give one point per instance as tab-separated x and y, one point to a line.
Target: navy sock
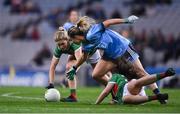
156	91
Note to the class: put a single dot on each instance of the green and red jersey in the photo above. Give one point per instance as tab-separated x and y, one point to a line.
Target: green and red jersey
119	81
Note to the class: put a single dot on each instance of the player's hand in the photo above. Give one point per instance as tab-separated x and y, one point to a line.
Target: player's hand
50	86
170	72
131	19
71	73
114	101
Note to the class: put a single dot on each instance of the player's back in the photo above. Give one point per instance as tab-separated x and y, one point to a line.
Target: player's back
118	44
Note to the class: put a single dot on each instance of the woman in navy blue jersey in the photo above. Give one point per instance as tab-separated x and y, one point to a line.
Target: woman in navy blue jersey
116	50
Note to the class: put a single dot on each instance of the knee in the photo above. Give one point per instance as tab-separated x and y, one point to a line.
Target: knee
133	87
134	83
94	75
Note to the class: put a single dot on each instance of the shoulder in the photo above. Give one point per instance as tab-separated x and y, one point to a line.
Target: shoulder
57	48
68	25
99	26
57	52
95	31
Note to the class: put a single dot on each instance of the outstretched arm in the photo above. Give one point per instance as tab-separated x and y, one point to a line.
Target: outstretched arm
130	19
104	93
52	69
80	61
53	65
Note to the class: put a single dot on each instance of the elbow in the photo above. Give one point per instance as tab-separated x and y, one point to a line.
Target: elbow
107	23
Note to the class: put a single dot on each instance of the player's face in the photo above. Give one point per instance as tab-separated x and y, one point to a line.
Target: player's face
84	25
63	44
73	16
78	39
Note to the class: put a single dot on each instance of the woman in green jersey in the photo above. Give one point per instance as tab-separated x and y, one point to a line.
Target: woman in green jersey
132	92
65	46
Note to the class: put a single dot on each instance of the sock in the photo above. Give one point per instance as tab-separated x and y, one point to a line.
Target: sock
73	93
154	97
160	76
156	91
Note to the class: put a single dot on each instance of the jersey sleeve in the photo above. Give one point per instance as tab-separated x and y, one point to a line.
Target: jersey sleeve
57	52
75	46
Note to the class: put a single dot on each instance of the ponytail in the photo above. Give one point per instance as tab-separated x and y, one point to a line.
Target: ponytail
61	34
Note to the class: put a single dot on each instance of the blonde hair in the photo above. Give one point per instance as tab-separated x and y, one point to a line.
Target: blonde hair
85	23
61	34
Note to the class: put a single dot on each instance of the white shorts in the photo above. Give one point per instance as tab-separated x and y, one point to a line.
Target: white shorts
126	92
94	58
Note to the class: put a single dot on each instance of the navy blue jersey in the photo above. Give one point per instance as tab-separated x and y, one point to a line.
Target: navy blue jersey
113	44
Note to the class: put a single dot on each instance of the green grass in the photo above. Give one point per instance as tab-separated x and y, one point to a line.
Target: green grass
87	97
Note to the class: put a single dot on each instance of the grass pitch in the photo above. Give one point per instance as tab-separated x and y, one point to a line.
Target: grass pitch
28	100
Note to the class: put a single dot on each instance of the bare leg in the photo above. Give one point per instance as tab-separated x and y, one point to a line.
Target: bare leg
135	99
101	68
143	73
71	83
103	80
134	86
151	79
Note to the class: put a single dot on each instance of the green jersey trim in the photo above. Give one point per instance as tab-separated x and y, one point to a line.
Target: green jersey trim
78	49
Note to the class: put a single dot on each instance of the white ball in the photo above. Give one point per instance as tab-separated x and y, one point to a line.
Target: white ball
52	95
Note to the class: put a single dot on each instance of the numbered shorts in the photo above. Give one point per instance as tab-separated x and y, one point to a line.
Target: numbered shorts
94	58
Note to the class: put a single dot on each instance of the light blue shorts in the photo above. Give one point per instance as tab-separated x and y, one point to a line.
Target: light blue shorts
132	55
